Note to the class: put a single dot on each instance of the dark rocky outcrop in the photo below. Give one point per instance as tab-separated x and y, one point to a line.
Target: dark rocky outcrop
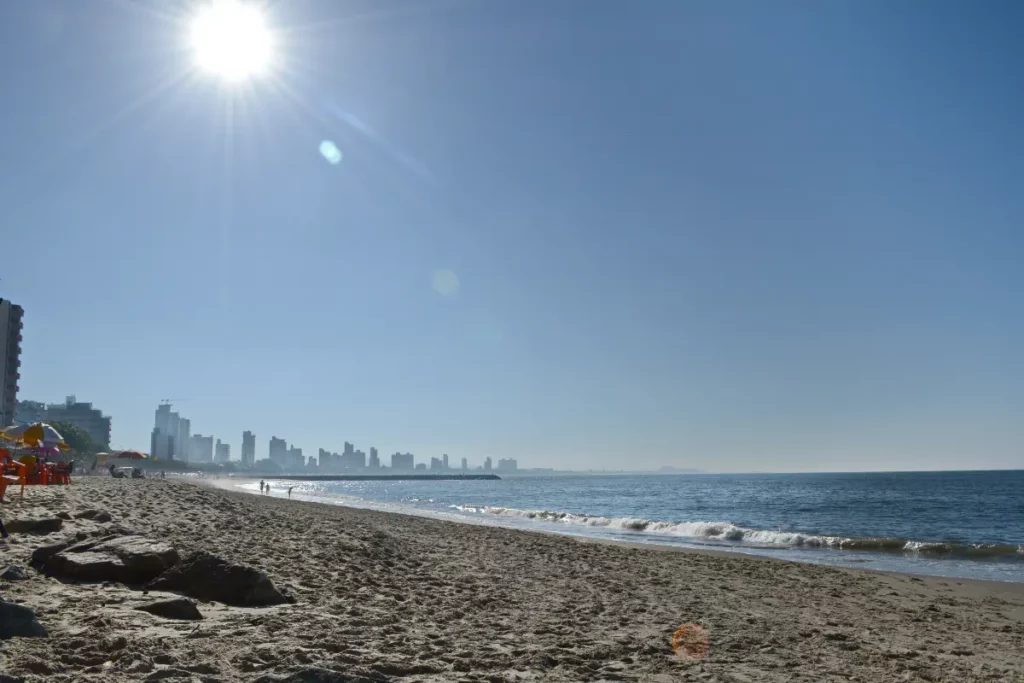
312	675
126	559
170	673
174	608
94	515
14	573
18	621
43	553
207	577
38	525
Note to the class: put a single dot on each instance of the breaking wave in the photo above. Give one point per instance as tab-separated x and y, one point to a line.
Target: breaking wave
726	533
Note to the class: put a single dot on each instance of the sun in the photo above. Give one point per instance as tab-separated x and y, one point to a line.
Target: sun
231	40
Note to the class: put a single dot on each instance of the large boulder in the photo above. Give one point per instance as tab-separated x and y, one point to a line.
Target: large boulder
174	608
43	553
36	525
126	559
18	621
207	577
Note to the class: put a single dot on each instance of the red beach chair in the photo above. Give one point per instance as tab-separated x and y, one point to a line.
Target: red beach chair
61	473
12	473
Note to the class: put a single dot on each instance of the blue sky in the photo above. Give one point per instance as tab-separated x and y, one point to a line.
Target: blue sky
737	236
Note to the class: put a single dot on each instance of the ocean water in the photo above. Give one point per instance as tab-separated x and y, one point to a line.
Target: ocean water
953	524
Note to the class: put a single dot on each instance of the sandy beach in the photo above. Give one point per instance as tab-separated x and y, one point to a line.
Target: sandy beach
381	597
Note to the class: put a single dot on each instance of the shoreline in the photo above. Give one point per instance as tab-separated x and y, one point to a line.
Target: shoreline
382	477
980	586
389	597
758	552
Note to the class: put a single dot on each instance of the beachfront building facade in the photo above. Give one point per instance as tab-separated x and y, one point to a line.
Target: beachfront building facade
10	359
374	459
487	464
222	454
436	464
465	464
401	461
248	449
352	460
294	460
29	412
278	453
327	461
171	435
507	465
200	449
82	415
184	438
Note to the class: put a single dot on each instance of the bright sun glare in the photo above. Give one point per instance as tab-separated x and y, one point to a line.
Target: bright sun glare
231	40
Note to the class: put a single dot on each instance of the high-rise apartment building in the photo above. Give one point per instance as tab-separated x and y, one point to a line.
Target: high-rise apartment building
183	439
352	459
401	461
507	465
465	464
248	448
278	451
487	464
374	459
222	454
327	461
444	459
171	437
294	462
10	359
165	432
200	449
436	464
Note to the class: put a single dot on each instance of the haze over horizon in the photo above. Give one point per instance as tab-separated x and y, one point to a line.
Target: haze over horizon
728	236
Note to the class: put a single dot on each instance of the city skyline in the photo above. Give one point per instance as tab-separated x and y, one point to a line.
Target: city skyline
199	449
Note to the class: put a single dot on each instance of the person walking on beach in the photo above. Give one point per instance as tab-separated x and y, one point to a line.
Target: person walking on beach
261	486
289	493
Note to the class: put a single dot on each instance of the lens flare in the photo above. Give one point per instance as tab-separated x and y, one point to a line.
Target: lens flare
330	151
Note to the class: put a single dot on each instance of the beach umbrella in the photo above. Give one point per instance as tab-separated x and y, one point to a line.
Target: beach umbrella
14	433
35	435
131	455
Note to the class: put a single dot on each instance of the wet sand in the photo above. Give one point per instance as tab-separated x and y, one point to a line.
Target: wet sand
382	596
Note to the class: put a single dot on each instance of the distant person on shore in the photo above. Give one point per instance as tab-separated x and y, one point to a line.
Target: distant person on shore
289	493
261	486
